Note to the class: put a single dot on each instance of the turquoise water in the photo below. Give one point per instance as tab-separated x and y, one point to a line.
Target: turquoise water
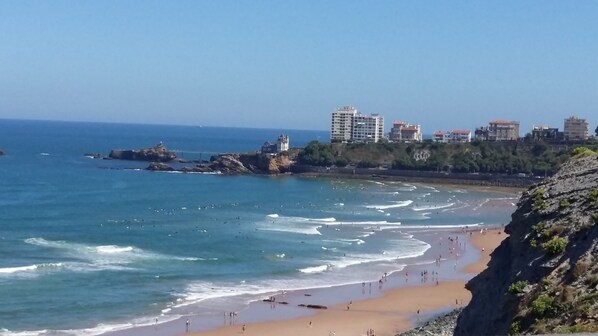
89	246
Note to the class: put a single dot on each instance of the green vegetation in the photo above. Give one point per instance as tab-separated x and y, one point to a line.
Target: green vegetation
515	328
582	152
555	246
475	157
564	204
533	243
578	328
542	304
538	199
317	154
594	196
517	287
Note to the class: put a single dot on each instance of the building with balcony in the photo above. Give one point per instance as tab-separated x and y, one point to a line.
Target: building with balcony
367	128
576	129
453	136
342	123
348	125
498	130
546	133
403	132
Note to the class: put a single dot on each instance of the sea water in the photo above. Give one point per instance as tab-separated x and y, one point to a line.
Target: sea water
89	246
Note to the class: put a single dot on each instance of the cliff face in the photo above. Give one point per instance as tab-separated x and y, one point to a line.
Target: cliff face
544	277
233	164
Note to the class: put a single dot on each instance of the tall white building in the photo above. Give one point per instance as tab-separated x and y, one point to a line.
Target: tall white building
348	125
367	128
342	122
576	129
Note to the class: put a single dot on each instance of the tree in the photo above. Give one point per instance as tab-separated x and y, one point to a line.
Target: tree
596	131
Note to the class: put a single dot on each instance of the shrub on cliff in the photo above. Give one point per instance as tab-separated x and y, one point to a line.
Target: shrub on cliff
582	152
543	305
517	287
555	246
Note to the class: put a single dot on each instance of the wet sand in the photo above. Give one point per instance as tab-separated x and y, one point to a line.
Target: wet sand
393	310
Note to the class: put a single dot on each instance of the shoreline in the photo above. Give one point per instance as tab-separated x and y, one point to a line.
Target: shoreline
398	308
454	182
387	307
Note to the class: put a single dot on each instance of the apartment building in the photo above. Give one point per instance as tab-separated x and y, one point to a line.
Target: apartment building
342	123
367	128
502	130
545	132
452	136
576	128
403	132
348	125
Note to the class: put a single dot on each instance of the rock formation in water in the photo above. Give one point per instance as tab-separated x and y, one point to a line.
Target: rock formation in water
159	153
1	152
544	277
235	164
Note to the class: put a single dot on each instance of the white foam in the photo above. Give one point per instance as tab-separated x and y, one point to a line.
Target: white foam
315	269
326	220
110	249
273	215
10	270
391	206
103	257
432	207
367	223
30	268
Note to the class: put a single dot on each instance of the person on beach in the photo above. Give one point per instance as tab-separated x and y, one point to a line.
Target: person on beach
243	328
187	325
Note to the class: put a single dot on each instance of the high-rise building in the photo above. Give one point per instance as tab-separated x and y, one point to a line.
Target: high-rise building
576	129
367	128
342	123
403	132
348	125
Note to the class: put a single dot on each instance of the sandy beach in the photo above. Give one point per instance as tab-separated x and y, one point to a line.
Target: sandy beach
397	309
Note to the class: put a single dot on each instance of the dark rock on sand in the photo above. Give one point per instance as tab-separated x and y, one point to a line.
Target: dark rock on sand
313	306
443	325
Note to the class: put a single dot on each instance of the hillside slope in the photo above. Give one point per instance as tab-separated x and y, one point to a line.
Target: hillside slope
544	277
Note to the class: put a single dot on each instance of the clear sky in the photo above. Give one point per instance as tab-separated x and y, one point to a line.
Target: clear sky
289	64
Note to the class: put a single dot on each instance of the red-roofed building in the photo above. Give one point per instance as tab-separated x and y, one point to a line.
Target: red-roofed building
404	132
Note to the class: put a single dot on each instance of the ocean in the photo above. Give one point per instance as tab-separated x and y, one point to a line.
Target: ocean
91	246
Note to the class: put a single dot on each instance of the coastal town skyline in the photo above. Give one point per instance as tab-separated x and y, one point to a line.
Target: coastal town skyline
289	65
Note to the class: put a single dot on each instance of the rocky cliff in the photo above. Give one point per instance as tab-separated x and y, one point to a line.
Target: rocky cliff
544	277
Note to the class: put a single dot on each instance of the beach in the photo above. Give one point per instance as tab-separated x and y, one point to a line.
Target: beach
397	309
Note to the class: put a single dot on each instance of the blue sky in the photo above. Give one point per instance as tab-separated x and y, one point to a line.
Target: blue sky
289	64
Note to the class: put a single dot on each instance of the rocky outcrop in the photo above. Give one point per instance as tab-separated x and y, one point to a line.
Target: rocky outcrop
230	164
234	164
544	277
1	152
159	166
159	153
